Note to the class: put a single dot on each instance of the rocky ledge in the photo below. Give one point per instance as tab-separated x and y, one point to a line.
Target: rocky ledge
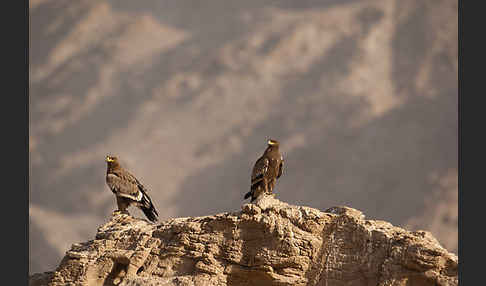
267	243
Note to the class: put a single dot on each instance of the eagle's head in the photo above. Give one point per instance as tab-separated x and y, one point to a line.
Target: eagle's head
111	160
272	142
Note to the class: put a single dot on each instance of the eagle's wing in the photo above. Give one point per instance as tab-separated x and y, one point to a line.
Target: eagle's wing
280	167
259	170
139	185
124	185
147	207
144	191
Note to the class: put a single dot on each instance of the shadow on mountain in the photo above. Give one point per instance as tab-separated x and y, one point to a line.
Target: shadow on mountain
43	254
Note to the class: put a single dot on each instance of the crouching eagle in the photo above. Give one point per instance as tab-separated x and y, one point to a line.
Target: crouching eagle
128	190
268	168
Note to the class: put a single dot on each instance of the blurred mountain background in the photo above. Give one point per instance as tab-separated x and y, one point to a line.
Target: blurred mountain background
363	96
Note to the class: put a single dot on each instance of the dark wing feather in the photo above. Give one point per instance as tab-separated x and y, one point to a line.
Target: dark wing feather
259	170
147	206
147	200
280	168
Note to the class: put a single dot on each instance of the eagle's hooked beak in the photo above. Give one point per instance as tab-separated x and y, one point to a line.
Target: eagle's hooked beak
109	159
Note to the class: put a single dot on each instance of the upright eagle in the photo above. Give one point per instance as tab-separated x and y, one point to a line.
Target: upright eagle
128	190
268	168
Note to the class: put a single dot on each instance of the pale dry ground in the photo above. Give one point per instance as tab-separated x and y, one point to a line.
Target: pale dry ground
362	95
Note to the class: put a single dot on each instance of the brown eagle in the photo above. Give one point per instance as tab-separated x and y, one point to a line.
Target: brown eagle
128	190
268	168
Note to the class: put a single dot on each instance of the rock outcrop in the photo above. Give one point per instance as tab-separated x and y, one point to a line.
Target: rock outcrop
267	243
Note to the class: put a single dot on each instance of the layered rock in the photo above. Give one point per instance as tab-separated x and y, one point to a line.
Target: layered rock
267	243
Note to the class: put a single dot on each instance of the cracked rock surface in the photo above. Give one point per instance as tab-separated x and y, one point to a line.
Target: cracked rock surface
267	243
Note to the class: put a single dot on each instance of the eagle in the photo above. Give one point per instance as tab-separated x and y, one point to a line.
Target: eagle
267	169
128	190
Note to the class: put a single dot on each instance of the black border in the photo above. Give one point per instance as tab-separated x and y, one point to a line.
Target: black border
470	220
18	249
15	137
26	23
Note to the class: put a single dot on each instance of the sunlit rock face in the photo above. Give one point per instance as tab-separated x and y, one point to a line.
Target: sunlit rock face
267	243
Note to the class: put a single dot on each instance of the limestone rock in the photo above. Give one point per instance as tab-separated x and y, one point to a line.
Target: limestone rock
267	243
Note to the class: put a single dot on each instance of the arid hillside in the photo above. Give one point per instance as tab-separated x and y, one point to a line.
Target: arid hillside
362	96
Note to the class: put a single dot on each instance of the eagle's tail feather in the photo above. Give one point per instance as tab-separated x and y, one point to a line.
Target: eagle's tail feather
150	213
148	208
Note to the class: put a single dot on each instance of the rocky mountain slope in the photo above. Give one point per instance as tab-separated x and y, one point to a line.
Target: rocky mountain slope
362	95
267	243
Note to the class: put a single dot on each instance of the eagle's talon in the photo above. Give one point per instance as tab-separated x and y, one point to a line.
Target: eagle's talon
125	212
